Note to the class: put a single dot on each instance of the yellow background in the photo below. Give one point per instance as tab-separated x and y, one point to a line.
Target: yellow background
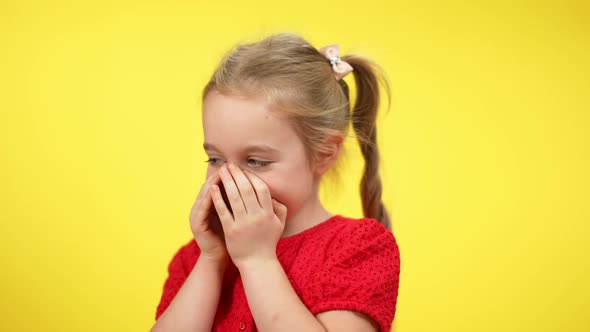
485	153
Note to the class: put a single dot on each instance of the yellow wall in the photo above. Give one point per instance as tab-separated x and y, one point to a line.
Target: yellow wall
485	153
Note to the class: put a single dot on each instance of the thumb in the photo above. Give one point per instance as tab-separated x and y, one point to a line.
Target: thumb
280	210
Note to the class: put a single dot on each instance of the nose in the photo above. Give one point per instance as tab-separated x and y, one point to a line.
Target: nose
235	163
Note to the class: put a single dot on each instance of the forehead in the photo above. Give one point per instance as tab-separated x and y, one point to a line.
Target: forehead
238	121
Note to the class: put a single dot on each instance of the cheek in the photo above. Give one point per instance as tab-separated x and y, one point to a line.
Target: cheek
285	190
279	189
271	182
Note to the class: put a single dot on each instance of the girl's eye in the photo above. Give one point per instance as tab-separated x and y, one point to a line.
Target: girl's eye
213	161
258	163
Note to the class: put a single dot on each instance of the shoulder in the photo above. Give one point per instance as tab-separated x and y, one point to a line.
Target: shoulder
360	272
363	252
185	257
366	226
362	236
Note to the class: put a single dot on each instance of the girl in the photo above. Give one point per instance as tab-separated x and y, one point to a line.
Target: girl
266	255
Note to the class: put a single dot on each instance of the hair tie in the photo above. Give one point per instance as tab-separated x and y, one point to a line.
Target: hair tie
340	67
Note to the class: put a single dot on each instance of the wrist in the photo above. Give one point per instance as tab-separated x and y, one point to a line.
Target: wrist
256	263
216	262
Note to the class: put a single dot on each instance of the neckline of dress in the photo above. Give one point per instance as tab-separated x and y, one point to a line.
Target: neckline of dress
310	230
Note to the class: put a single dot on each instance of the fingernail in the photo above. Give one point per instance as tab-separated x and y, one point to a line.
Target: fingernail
223	169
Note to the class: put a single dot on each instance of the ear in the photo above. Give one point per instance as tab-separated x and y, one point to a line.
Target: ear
325	159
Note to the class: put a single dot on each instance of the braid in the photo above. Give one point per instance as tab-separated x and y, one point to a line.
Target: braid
364	118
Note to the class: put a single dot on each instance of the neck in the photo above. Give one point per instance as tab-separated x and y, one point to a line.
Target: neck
310	214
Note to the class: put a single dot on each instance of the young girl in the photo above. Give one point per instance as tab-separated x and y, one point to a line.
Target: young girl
266	255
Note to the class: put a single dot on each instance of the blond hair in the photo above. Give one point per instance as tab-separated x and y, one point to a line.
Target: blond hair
298	81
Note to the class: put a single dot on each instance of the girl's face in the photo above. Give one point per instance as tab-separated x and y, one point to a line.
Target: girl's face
241	130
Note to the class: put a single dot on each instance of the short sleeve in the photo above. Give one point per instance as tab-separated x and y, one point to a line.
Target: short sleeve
177	274
361	272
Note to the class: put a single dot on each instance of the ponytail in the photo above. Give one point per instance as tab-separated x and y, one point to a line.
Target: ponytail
364	116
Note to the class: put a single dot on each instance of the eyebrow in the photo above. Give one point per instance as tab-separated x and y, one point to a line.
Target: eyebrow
251	148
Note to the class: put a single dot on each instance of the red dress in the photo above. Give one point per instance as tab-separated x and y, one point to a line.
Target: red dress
340	264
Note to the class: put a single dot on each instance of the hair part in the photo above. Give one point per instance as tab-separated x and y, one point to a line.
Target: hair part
298	82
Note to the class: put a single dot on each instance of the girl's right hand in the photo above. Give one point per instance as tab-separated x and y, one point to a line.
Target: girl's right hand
205	223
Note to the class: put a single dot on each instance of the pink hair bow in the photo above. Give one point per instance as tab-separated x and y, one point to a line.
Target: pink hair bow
341	68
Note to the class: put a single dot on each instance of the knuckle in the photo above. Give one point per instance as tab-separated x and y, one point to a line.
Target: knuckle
267	213
258	214
262	189
193	215
244	186
234	199
223	213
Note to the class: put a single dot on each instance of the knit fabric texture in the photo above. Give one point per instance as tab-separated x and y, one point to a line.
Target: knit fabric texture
340	264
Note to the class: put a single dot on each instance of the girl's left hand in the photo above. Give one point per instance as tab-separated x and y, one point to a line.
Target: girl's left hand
258	220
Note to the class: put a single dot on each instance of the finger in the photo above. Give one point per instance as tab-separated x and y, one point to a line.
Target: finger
280	210
233	194
203	201
213	179
262	191
225	216
245	188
